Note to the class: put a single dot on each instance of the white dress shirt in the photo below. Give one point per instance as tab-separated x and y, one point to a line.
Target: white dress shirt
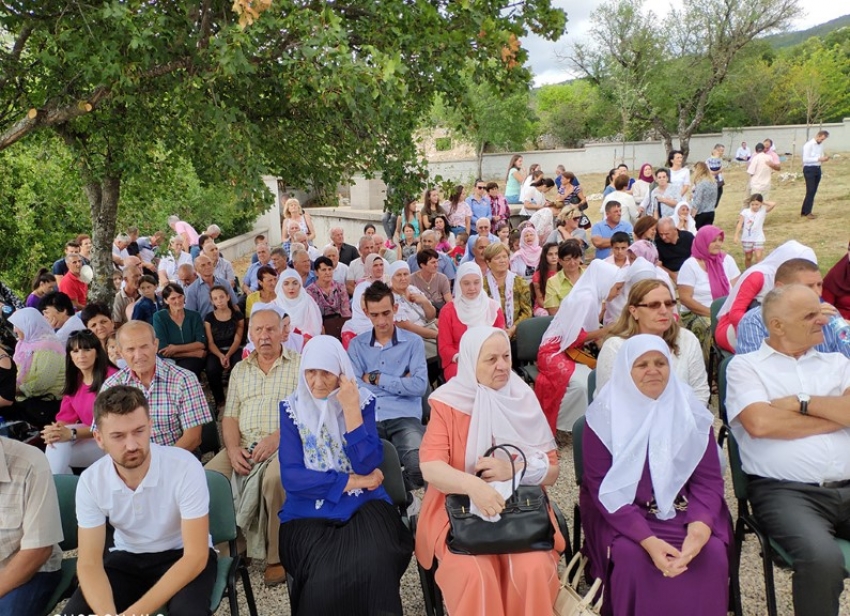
812	153
765	375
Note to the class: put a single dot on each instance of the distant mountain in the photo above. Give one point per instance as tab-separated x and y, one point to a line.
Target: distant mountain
789	39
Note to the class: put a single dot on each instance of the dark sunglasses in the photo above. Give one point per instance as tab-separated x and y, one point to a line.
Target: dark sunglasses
669	303
481	187
82	333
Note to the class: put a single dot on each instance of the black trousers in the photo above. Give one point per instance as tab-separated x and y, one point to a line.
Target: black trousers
215	373
700	220
812	175
132	575
805	520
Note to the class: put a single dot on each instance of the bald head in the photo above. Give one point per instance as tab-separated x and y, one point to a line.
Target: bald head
794	320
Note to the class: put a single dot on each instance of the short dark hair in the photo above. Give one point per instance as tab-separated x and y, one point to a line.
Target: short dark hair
621	237
203	238
119	400
622	166
492	185
787	272
93	310
57	300
265	270
611	205
376	292
170	289
148	279
323	260
73	244
663	170
569	248
759	147
425	255
368	226
280	252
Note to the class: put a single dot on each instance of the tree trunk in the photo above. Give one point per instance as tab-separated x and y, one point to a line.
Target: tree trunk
103	199
685	146
480	160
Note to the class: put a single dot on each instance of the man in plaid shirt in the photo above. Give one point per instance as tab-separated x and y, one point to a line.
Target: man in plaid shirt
178	407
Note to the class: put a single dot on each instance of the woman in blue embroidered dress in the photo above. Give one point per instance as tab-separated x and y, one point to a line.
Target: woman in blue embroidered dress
341	540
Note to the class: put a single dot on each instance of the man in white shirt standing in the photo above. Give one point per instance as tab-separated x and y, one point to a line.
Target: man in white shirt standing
789	408
157	500
812	159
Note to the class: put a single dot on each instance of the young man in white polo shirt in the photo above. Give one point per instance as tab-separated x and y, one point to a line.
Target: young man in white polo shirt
157	500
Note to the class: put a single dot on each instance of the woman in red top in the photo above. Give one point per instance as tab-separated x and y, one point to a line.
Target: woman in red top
752	286
471	306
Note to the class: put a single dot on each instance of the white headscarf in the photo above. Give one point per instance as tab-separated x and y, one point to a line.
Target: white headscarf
303	310
671	432
511	414
395	268
580	309
479	311
792	249
359	322
321	422
690	223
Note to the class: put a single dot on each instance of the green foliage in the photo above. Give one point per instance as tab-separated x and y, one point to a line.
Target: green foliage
575	111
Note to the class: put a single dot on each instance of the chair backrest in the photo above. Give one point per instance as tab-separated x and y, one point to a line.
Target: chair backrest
393	478
740	481
714	310
722	383
529	335
222	514
209	438
591	386
578	461
66	490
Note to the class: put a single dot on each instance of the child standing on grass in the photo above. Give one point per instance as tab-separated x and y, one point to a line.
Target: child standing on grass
750	228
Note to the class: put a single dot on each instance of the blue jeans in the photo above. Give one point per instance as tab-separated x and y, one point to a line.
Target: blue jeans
31	597
405	433
194	250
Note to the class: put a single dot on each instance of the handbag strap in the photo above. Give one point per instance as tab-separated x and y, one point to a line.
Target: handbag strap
578	563
504	448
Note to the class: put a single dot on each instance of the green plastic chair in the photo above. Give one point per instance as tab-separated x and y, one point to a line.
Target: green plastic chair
715	353
66	490
578	466
591	386
529	336
223	530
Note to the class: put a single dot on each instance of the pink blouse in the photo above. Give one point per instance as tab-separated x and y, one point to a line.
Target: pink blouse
79	408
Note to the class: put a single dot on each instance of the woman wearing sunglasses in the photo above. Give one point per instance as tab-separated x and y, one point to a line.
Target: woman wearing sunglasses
651	310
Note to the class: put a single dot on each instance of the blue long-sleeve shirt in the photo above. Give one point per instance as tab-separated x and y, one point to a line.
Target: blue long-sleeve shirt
752	331
321	494
403	372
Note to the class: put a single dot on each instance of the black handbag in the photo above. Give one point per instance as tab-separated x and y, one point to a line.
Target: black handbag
524	525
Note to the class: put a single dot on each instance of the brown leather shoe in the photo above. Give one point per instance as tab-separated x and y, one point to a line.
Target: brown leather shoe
274	575
811	216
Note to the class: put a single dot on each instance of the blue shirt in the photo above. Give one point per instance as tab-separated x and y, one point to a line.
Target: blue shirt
404	372
602	229
321	494
471	242
198	295
444	265
250	277
145	309
752	331
480	208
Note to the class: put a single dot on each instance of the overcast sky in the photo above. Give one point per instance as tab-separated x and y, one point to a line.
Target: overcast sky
548	69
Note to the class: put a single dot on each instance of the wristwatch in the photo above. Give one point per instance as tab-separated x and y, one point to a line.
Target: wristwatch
373	377
73	434
804	403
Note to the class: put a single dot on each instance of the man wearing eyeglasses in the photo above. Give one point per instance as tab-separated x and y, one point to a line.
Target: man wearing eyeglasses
479	203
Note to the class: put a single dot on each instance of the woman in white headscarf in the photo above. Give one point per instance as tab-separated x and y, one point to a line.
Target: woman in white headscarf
563	366
485	403
752	286
337	522
297	303
682	219
656	525
40	361
471	306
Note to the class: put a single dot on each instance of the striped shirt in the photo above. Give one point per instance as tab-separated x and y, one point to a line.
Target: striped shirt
253	396
175	397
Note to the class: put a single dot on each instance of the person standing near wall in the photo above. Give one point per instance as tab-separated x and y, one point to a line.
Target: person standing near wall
812	159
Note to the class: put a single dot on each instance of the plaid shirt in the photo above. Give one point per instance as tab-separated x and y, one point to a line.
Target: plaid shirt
176	400
253	397
29	507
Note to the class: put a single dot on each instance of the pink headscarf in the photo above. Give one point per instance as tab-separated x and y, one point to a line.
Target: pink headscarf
713	263
38	336
529	254
645	249
644	176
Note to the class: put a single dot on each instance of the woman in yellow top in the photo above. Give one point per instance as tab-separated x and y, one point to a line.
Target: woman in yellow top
511	291
266	293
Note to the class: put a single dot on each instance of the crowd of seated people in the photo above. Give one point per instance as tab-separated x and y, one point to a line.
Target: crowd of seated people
324	349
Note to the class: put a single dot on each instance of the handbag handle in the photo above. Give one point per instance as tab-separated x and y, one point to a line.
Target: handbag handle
504	448
578	562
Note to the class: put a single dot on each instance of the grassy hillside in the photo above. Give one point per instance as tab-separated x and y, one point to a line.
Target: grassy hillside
789	39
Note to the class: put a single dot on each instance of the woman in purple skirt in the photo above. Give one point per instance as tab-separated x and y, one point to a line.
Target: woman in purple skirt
656	524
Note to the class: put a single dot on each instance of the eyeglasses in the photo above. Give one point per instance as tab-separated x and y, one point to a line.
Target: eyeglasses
481	187
669	303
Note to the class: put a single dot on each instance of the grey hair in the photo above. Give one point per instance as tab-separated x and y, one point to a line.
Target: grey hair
173	220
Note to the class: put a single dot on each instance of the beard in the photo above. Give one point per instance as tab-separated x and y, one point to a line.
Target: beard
133	459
